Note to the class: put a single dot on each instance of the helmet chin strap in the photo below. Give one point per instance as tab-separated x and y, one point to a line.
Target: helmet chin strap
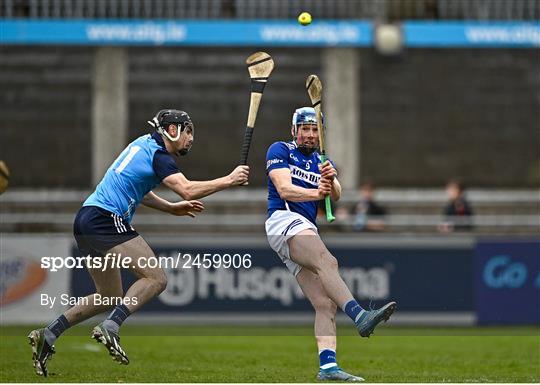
155	123
168	136
305	149
172	139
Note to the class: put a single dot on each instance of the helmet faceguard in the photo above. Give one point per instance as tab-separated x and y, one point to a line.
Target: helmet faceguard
164	118
304	115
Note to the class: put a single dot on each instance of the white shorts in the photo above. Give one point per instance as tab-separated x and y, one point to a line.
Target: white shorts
280	227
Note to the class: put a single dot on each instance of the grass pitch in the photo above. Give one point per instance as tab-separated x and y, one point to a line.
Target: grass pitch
280	354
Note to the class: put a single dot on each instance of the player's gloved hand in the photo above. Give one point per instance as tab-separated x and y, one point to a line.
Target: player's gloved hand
239	175
189	208
327	171
325	187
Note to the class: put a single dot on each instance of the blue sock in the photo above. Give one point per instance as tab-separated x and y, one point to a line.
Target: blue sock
327	359
117	317
55	328
353	310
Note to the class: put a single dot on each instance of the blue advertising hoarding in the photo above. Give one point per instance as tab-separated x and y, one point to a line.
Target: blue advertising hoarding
184	32
507	275
265	33
420	279
472	34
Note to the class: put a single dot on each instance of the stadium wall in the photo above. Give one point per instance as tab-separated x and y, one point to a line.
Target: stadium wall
435	113
435	281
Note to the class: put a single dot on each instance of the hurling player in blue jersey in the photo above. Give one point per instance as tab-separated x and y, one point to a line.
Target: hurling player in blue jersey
103	228
297	181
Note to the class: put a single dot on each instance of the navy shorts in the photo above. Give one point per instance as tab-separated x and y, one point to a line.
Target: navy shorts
97	230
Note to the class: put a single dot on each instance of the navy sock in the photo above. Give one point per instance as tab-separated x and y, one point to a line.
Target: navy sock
327	359
118	316
353	310
55	329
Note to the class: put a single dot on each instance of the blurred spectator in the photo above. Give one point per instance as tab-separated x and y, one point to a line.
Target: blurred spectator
458	212
368	215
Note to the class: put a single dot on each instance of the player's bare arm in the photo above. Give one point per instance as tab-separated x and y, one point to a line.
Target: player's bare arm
189	189
188	208
281	178
155	202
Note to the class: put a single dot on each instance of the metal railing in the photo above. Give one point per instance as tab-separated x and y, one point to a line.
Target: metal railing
50	210
259	195
273	9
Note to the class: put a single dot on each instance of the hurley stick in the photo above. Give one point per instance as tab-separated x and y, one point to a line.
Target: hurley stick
314	89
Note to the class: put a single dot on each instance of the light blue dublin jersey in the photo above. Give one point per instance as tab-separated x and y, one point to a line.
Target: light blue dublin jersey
138	169
304	173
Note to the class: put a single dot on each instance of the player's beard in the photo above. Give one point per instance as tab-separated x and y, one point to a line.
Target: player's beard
184	150
307	150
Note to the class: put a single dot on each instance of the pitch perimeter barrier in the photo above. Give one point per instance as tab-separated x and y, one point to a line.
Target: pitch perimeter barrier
355	33
421	279
507	279
435	280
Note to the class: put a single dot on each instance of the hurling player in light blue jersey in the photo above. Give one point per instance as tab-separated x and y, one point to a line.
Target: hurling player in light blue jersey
103	229
297	181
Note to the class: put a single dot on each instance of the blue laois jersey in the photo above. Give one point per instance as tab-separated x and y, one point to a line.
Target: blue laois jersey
304	173
142	165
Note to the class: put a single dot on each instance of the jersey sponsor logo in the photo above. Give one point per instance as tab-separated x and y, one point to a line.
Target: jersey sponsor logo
293	157
273	161
306	176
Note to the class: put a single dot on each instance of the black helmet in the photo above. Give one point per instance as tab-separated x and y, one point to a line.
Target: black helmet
165	117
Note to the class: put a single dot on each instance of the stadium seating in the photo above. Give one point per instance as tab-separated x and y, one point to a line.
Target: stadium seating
417	211
276	9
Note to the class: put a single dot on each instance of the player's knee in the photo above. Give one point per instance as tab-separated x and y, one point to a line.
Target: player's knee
325	305
332	261
327	262
160	283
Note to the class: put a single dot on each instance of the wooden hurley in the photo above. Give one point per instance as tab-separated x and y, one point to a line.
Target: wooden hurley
314	89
